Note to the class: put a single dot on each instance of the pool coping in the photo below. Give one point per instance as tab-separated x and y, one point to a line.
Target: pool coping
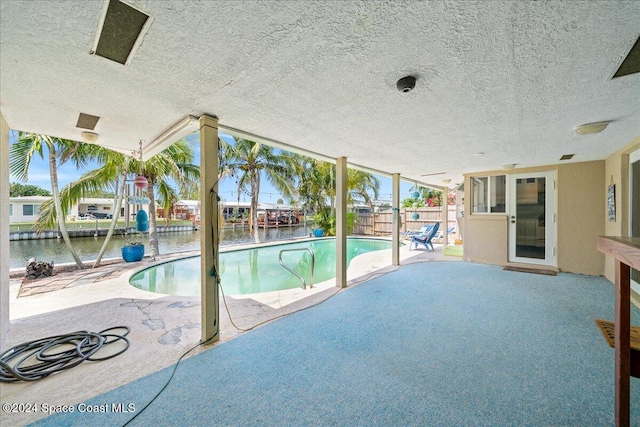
278	298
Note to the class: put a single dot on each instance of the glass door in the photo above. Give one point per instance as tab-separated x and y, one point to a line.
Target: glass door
532	218
634	209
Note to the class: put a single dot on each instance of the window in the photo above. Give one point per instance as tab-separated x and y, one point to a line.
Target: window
10	209
30	210
488	194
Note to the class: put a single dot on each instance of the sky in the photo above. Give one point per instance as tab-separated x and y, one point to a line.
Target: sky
227	188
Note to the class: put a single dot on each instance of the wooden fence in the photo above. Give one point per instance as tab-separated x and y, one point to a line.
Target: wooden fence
380	223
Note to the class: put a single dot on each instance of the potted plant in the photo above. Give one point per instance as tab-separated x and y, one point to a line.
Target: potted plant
133	250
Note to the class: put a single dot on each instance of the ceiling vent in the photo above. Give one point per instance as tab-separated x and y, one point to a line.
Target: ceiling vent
120	31
631	63
567	156
87	121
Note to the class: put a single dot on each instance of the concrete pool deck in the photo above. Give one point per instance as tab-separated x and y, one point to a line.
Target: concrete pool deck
163	327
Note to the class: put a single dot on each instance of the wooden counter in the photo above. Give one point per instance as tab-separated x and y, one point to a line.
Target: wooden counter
626	251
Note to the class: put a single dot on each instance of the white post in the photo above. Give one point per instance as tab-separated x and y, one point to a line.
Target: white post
395	221
341	222
445	216
4	232
209	240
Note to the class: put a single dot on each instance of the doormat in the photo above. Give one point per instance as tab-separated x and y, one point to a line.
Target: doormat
608	329
530	270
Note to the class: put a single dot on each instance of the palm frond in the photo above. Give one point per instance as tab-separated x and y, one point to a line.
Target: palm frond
22	152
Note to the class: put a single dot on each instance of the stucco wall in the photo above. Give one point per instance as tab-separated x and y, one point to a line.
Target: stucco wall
485	239
4	231
617	171
580	207
581	216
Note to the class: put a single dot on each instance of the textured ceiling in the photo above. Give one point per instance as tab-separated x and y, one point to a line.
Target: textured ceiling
510	79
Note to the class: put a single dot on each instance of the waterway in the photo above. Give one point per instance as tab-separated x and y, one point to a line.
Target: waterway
88	247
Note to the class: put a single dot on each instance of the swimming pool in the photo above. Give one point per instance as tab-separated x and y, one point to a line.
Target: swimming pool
249	271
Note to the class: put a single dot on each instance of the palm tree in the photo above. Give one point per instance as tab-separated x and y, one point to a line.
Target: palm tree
314	181
360	185
111	175
317	184
32	144
250	161
316	187
173	163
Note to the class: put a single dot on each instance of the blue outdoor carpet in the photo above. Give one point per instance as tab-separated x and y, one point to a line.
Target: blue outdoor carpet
432	344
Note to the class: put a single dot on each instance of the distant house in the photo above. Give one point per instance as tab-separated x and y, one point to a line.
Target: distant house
235	209
187	209
25	209
362	209
96	207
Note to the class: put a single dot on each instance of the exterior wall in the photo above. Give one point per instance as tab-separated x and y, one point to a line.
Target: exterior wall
581	215
4	231
617	172
100	208
485	238
17	204
104	208
580	206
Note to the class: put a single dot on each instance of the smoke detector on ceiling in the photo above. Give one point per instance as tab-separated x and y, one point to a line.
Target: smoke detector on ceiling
406	84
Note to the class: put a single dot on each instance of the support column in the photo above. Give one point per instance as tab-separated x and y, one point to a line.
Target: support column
4	232
445	216
341	222
395	222
209	240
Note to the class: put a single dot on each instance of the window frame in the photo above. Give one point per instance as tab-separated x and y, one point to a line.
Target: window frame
489	195
34	209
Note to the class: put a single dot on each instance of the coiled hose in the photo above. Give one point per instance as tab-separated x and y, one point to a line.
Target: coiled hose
40	358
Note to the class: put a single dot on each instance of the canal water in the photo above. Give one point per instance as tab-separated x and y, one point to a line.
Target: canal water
88	247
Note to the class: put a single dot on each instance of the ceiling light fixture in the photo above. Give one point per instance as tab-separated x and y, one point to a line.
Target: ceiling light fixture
508	167
590	128
178	131
89	136
480	154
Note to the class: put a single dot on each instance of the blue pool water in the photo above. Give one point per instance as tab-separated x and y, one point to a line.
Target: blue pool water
256	270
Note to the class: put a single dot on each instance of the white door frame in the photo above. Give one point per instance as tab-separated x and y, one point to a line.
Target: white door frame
550	217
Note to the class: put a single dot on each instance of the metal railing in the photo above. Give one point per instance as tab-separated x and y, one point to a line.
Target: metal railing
313	261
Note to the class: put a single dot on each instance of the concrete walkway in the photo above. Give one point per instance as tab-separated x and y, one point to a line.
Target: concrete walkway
163	327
